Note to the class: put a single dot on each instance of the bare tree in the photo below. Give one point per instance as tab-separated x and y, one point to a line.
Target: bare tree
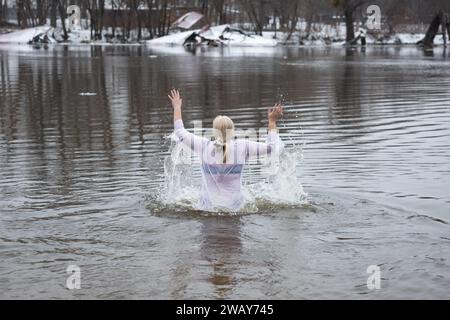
118	16
256	11
349	7
163	17
53	12
440	20
96	9
205	7
22	13
288	13
219	6
62	5
42	8
3	9
150	28
134	5
115	8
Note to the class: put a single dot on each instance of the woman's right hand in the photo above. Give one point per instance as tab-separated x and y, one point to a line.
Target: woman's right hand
175	99
274	114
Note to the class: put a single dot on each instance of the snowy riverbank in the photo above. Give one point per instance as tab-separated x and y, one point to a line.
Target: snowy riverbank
333	38
326	35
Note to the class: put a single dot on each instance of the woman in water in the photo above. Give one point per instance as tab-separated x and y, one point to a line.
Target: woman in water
223	159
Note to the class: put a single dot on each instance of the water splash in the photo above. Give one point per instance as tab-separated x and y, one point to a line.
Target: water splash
275	186
281	188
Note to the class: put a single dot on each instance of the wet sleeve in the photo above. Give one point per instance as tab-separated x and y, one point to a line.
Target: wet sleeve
273	145
196	143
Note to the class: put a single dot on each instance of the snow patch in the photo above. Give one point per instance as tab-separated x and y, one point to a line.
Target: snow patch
25	35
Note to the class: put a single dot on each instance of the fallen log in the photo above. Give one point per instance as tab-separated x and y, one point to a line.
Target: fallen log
440	20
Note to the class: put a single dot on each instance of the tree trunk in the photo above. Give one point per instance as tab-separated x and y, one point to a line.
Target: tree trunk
204	7
260	19
100	19
128	28
444	23
114	18
40	12
96	12
309	25
53	13
157	19
294	21
91	22
138	17
30	13
149	18
348	13
22	20
433	29
162	20
62	15
256	15
219	11
3	4
448	29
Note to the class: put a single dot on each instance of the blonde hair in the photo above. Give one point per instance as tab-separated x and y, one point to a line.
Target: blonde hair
223	129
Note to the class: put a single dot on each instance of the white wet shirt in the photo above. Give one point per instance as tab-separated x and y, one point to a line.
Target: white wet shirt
221	182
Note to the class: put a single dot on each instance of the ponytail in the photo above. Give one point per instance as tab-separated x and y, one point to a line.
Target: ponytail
224	148
223	128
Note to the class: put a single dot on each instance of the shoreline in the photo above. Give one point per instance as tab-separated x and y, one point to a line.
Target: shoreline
105	44
45	35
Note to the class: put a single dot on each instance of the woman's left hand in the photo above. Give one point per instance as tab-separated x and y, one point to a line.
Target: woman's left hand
175	99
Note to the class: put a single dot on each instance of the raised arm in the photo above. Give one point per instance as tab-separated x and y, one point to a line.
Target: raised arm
274	114
176	101
194	142
273	142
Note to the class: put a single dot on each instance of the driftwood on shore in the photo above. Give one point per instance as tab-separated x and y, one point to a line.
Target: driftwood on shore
440	20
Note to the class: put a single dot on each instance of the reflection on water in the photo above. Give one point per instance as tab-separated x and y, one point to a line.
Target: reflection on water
221	244
77	170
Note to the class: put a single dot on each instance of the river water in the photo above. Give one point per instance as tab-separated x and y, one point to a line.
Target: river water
84	139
